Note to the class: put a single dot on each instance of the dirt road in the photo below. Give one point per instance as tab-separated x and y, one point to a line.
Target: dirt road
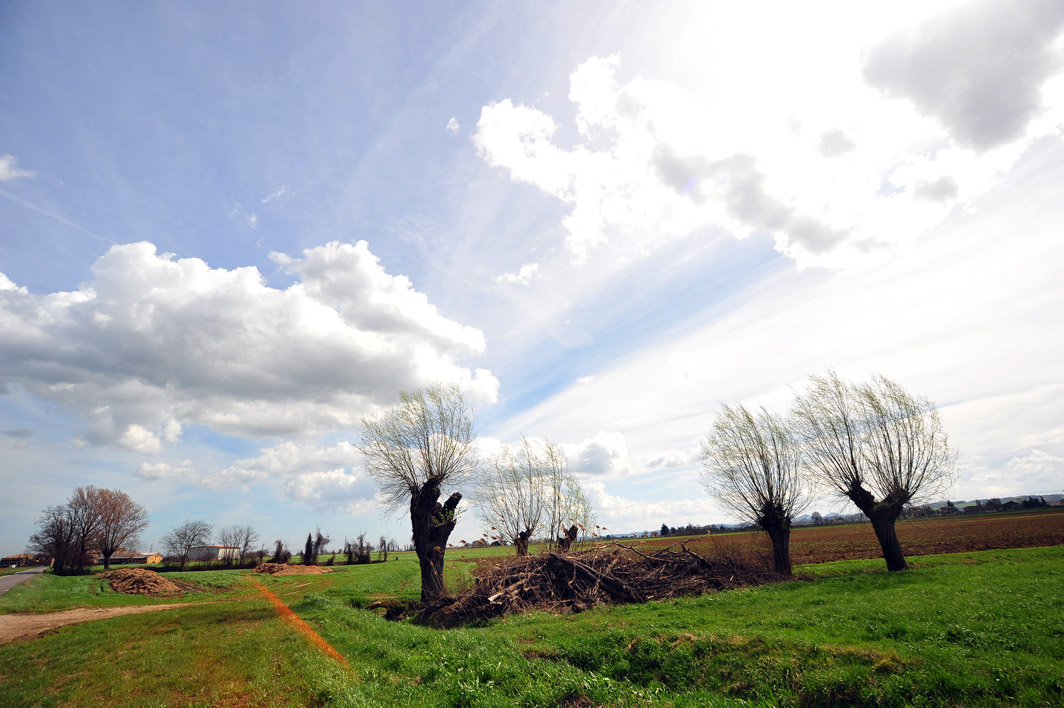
25	626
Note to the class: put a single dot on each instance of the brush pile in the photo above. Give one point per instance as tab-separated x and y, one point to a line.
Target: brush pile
285	569
575	582
139	581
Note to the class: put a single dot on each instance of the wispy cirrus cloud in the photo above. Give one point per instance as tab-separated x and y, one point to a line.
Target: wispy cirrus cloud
9	169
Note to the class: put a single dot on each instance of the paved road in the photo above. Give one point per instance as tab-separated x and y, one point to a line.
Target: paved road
9	581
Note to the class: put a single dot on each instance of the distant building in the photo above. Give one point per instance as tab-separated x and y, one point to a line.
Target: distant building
214	553
127	557
22	560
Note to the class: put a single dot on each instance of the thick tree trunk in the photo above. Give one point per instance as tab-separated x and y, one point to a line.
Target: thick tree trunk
882	515
778	527
432	586
432	523
883	525
565	542
521	542
780	535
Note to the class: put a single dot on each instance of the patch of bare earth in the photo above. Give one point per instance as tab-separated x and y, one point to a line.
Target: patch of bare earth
27	626
285	569
919	537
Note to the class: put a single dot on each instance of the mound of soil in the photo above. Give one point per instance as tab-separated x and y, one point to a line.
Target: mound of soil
139	581
285	569
608	574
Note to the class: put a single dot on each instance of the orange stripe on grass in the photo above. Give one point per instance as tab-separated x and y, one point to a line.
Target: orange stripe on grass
296	621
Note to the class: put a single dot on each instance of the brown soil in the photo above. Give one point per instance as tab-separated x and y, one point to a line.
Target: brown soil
285	569
27	626
139	581
919	537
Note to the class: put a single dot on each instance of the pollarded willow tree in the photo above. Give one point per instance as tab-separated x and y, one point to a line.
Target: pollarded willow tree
568	509
877	445
531	488
512	492
753	466
415	450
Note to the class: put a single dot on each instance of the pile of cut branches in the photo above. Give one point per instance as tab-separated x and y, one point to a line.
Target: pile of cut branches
612	573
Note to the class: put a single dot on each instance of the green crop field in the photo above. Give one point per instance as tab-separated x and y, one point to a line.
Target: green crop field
969	629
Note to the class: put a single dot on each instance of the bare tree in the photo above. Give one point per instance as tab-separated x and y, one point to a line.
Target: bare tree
243	538
121	522
382	549
84	511
246	540
422	445
362	548
320	542
180	540
55	536
513	492
229	536
752	465
567	504
877	445
281	554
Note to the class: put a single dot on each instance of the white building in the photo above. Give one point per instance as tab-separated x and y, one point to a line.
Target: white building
214	553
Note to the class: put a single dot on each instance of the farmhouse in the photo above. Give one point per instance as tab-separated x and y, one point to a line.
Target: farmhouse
21	560
212	553
124	557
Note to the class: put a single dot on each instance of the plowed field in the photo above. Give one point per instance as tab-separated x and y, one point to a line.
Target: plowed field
820	544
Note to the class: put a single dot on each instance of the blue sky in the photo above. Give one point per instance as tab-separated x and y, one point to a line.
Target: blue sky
228	233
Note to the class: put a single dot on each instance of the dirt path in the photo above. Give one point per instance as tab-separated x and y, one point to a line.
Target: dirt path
25	626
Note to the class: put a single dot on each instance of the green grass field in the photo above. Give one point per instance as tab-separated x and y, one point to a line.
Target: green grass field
973	629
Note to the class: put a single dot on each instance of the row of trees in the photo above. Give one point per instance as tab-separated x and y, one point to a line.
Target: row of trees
426	446
180	540
92	521
528	488
872	443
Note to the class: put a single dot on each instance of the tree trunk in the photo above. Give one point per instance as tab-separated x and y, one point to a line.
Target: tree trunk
565	542
432	523
522	543
882	515
777	524
883	525
106	561
432	586
780	535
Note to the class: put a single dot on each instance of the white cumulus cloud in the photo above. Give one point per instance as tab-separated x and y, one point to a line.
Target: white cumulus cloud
829	179
604	454
153	343
978	68
524	275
